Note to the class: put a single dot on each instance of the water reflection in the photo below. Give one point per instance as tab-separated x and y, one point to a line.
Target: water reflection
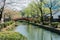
35	33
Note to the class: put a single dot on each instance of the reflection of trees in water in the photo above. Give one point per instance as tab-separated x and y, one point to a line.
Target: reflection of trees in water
40	34
30	32
34	32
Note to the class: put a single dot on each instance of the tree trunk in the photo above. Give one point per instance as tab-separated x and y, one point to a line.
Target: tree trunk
41	12
1	11
50	16
0	14
50	13
41	16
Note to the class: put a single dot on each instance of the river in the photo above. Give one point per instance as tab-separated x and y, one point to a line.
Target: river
36	33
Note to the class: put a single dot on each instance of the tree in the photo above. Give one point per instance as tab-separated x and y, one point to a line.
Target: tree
2	9
40	8
36	9
52	5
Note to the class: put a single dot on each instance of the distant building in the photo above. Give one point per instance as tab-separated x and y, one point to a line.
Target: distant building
56	16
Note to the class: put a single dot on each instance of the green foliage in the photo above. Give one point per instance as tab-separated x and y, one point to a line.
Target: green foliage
40	8
33	9
11	36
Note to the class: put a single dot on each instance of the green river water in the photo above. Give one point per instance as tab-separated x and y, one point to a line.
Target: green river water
36	33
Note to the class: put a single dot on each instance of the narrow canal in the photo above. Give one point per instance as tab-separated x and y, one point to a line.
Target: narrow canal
35	33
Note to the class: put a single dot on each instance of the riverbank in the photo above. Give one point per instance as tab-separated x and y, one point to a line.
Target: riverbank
50	28
10	35
7	32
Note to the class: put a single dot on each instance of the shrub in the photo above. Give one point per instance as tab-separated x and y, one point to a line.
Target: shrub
46	23
55	24
3	25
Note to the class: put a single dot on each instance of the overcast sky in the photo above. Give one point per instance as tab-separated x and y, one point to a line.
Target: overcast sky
17	4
